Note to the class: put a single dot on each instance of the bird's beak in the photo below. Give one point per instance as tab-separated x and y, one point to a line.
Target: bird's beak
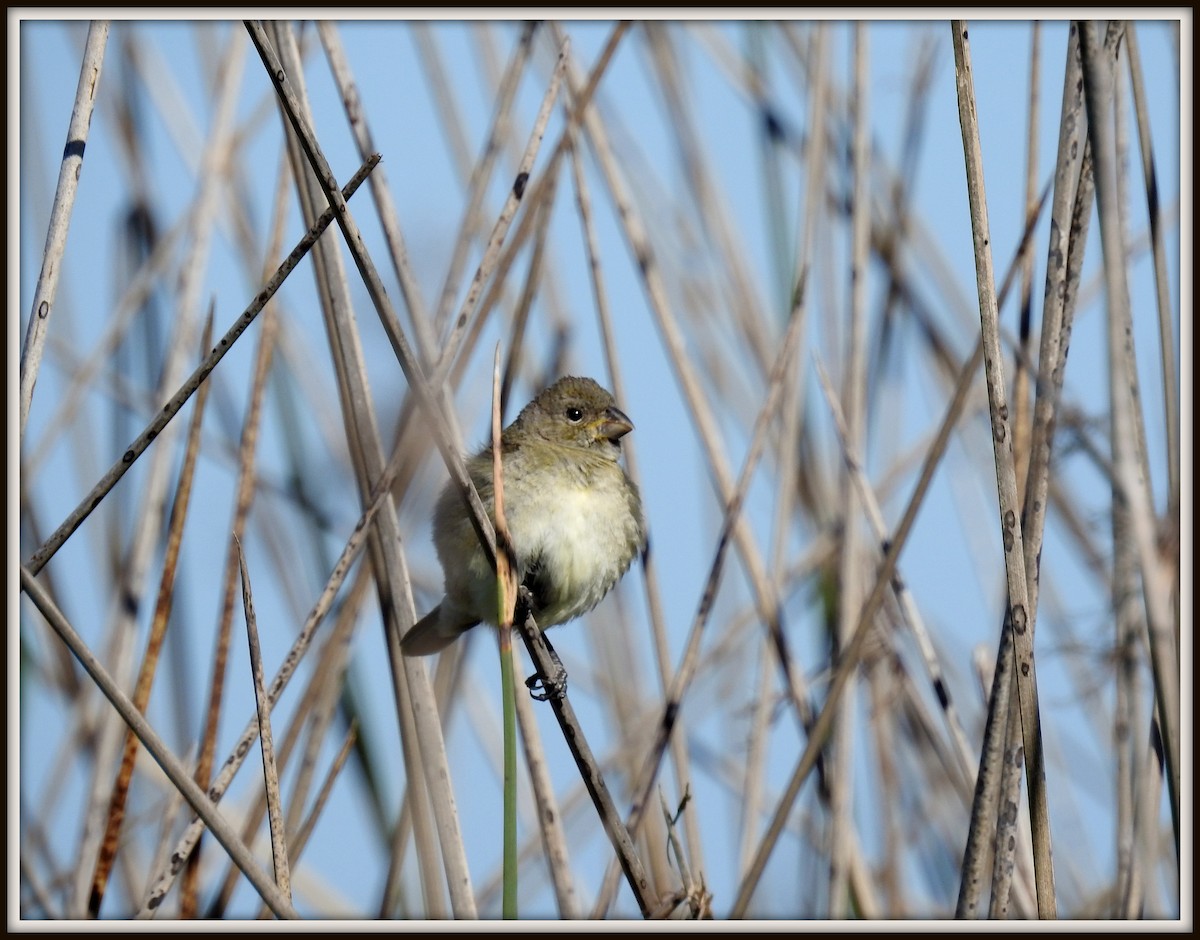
613	424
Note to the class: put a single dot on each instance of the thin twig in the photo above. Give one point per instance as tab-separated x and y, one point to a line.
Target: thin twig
300	839
279	851
1162	287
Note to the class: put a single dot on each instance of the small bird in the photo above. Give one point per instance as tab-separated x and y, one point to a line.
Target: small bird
574	516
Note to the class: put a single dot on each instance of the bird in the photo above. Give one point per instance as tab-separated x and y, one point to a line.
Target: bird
574	516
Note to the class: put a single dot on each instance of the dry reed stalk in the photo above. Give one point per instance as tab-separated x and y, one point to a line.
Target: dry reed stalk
60	213
1130	482
1019	617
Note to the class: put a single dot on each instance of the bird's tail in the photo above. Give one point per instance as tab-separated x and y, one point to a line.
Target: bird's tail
430	635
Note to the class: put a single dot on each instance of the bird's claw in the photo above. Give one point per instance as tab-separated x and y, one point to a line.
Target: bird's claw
554	684
552	687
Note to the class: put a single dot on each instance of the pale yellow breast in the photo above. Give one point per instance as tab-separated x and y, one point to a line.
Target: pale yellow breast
582	535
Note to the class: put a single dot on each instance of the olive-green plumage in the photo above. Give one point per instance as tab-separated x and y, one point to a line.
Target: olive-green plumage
573	513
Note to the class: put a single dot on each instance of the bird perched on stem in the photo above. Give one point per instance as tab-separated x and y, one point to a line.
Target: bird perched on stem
574	515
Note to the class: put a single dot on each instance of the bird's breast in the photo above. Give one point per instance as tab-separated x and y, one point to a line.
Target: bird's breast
577	542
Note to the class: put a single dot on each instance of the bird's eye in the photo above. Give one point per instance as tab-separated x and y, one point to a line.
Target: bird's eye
574	415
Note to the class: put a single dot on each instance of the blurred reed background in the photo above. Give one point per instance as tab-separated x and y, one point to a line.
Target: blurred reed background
861	463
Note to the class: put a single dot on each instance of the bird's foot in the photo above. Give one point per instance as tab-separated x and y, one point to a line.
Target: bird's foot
552	686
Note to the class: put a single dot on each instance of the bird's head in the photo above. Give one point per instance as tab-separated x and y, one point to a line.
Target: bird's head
575	412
